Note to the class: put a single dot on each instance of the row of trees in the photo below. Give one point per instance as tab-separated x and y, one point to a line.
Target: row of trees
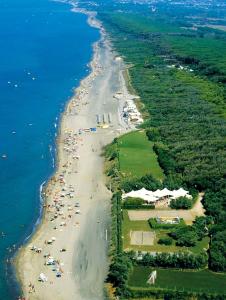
116	241
181	260
119	271
167	294
121	264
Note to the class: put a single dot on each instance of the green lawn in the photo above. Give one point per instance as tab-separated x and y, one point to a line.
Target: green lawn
204	280
128	225
136	156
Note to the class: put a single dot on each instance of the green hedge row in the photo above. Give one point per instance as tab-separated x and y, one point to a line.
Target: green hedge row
158	293
137	206
116	241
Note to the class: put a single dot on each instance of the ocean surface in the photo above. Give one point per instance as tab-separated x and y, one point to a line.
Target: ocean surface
44	51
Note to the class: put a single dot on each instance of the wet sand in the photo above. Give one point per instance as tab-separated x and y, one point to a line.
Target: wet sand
74	228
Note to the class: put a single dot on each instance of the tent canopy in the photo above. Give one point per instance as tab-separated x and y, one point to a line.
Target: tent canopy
153	196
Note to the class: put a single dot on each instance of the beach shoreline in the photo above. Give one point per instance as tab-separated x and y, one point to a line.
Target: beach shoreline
42	218
101	83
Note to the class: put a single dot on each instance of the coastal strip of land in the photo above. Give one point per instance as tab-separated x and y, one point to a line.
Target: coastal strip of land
67	257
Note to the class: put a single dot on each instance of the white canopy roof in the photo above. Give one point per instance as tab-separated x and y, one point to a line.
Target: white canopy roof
151	196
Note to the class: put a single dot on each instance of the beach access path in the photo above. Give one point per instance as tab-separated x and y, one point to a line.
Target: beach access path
78	233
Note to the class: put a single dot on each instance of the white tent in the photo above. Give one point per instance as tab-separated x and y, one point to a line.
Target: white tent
152	197
143	194
180	193
42	277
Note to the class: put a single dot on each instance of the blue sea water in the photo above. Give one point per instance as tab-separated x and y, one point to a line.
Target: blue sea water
44	51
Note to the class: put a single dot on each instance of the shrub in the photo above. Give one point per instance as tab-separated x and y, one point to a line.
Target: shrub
181	203
111	151
185	236
136	203
189	239
165	241
153	134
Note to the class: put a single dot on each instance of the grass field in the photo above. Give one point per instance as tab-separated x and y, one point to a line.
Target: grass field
183	280
128	225
136	156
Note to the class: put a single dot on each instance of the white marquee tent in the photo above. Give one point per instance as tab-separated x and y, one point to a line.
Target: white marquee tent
152	197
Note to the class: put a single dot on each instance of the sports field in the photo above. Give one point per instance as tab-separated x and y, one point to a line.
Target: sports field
136	156
183	280
140	237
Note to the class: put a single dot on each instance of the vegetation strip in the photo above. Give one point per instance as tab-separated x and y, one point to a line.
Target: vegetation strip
183	92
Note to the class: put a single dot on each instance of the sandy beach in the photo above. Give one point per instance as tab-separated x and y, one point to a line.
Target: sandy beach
69	247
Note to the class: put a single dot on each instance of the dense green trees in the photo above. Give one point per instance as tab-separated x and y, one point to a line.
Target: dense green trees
147	182
185	236
181	203
188	236
119	272
201	226
153	134
186	111
186	122
218	251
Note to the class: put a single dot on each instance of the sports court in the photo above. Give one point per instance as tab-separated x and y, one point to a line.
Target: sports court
142	238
